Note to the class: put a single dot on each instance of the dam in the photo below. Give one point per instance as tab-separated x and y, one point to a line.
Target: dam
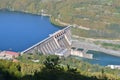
58	43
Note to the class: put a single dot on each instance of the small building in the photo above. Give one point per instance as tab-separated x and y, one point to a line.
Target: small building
36	61
8	55
113	66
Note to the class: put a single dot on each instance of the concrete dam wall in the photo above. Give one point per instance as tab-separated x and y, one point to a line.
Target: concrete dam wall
58	43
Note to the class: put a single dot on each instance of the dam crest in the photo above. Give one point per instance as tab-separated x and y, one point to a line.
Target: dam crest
58	43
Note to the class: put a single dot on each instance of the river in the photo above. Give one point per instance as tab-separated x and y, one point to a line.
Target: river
19	31
103	59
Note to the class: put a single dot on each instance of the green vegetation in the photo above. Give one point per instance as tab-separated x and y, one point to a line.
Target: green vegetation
108	45
101	16
54	68
72	61
93	34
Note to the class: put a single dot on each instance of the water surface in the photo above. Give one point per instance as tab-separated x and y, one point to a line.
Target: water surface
102	59
19	31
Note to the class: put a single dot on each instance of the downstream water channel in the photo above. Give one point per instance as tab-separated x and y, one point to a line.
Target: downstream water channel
103	59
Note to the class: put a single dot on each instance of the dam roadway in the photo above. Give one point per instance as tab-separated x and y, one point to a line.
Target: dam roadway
58	43
90	46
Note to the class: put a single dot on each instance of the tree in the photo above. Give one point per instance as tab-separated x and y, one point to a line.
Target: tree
51	62
70	69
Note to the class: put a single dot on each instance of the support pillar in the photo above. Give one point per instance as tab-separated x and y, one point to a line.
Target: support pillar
47	48
50	46
42	50
67	39
56	42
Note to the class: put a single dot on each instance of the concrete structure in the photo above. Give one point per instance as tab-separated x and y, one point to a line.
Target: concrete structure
58	43
81	54
90	46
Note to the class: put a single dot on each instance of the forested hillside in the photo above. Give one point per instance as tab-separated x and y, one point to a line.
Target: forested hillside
54	68
101	16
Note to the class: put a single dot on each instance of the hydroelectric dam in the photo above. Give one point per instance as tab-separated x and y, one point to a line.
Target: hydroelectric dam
58	43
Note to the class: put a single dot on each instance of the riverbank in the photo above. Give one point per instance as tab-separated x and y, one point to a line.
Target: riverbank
77	29
53	20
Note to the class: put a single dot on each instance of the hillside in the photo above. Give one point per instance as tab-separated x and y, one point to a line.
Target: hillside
102	17
53	68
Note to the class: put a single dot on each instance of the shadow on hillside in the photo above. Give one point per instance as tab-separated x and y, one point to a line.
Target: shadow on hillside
47	74
5	75
57	74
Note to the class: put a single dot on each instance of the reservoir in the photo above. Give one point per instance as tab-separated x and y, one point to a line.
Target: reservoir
19	31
